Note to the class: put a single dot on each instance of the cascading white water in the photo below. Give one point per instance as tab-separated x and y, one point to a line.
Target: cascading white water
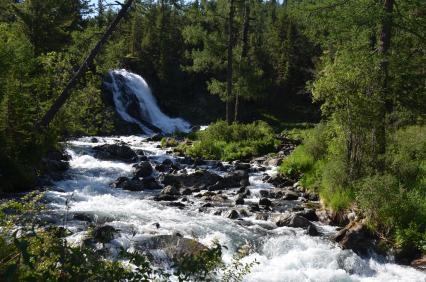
131	88
283	254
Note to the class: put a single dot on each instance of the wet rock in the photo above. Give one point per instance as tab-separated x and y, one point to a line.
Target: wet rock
155	138
115	152
313	197
244	213
200	179
175	247
83	217
244	191
157	225
198	162
293	220
207	205
235	179
128	184
419	263
241	166
186	161
186	191
312	230
232	214
149	183
254	207
290	196
167	162
356	236
104	234
165	197
258	160
280	181
405	255
275	161
94	140
264	193
309	214
170	190
265	202
176	204
332	218
140	152
143	169
239	200
217	186
244	183
262	216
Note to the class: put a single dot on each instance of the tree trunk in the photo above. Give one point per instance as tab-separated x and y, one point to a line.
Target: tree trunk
244	51
385	43
83	68
229	68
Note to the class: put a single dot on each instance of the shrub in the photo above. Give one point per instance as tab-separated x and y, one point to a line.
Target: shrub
169	142
298	162
316	141
236	141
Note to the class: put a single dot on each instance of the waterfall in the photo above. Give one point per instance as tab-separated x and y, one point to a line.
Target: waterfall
135	103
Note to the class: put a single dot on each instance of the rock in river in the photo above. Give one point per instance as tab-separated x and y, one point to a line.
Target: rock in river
115	152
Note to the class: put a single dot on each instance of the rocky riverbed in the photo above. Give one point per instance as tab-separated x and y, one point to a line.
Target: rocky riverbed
134	194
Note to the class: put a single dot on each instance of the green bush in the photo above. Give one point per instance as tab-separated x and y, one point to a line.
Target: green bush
236	141
316	141
298	162
169	142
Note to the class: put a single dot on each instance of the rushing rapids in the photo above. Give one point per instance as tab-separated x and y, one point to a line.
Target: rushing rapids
282	253
135	103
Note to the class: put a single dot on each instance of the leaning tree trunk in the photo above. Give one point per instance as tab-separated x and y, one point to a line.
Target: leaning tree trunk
83	68
385	44
244	50
229	67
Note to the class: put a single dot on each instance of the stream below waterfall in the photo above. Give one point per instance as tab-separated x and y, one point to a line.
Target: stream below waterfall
282	253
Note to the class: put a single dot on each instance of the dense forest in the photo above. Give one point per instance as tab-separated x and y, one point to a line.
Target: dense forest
346	79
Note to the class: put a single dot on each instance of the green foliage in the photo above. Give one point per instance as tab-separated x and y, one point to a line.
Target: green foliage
201	265
169	142
221	141
297	163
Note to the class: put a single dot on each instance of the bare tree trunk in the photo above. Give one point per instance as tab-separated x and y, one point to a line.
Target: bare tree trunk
229	68
244	51
385	43
83	68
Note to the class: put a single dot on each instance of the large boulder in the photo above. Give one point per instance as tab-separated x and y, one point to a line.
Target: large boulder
200	179
297	221
115	152
357	237
174	247
235	179
143	169
136	184
104	234
280	181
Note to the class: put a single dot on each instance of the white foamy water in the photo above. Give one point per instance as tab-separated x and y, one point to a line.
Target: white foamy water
283	254
125	84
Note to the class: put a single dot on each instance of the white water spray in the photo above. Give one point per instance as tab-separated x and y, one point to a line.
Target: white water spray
131	88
